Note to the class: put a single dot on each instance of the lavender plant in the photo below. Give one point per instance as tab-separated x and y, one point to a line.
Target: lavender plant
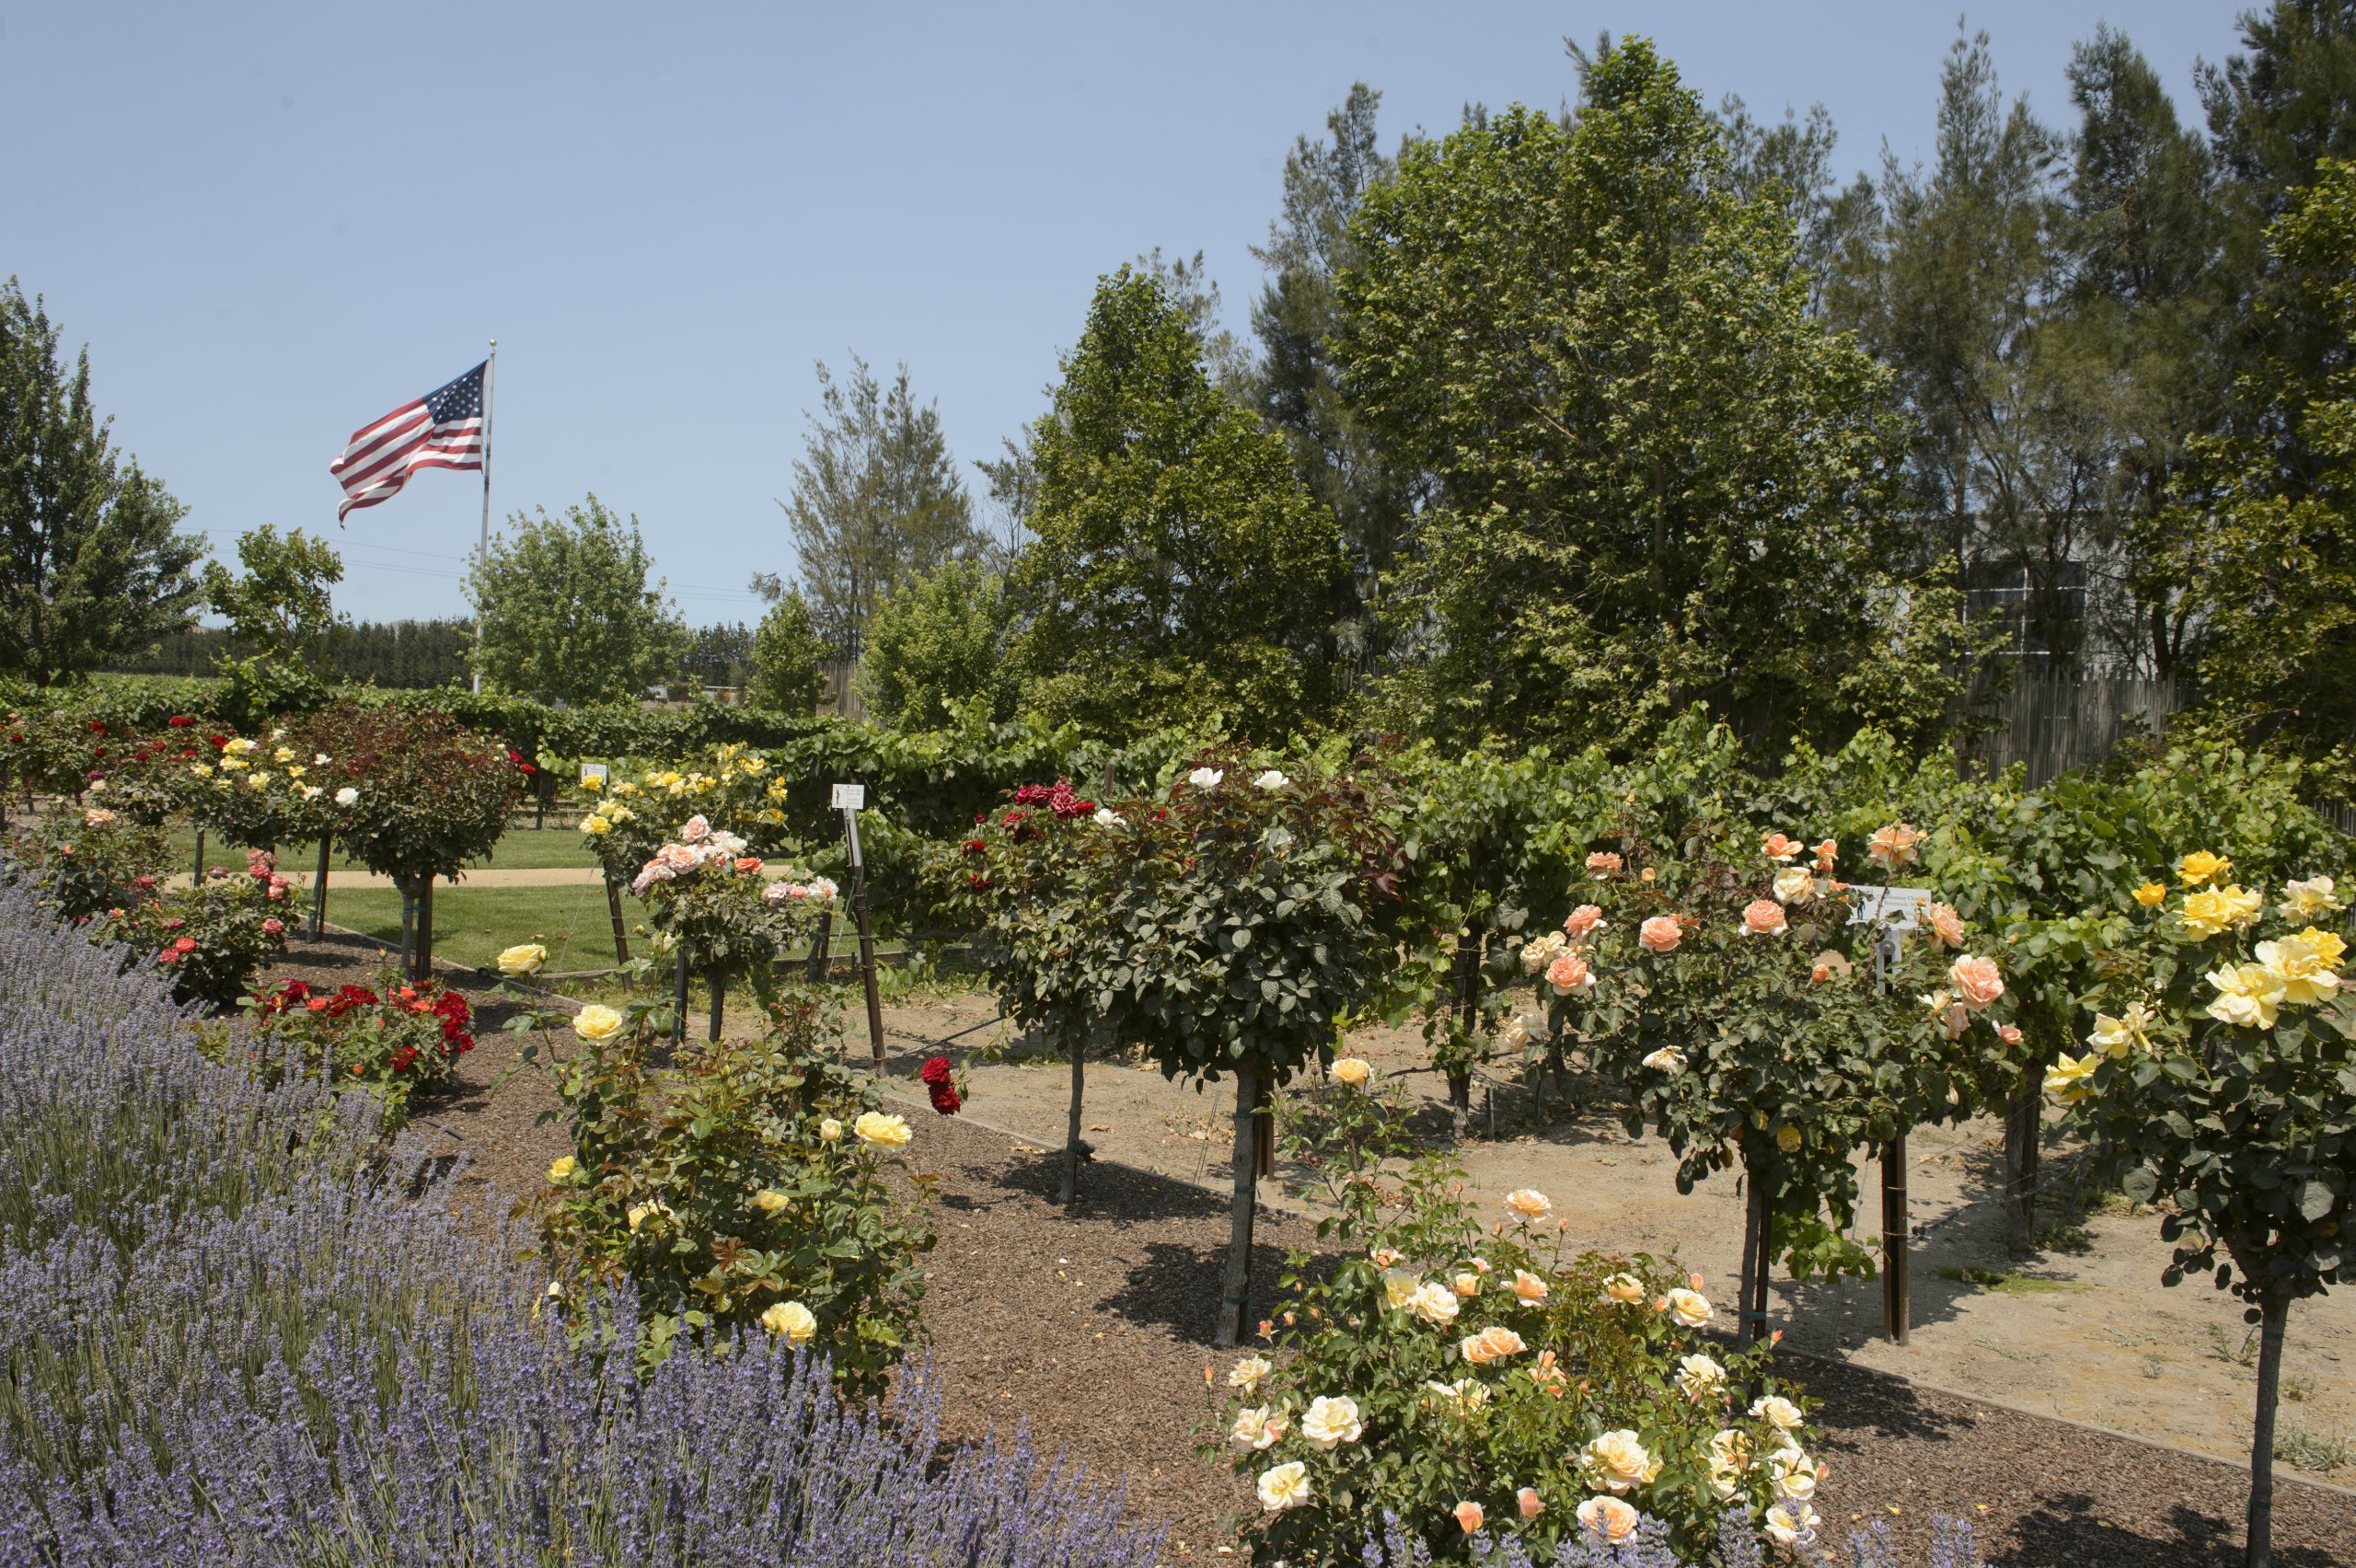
1646	1544
241	1335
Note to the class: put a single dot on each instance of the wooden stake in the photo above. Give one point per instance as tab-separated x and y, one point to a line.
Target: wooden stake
319	890
1235	1296
614	913
1896	1284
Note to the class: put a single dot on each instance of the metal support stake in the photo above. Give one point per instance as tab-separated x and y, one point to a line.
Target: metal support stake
319	890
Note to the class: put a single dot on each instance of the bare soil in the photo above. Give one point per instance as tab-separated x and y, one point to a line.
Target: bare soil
1090	1329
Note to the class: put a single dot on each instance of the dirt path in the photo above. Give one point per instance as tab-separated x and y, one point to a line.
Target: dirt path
2088	1335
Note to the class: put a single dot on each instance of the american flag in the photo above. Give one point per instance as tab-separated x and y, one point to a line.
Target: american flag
442	430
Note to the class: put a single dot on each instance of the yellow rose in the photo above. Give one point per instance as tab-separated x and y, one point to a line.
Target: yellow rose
2115	1037
1467	1282
2201	867
1792	1474
1618	1462
2207	914
1287	1486
522	959
1399	1288
596	826
1625	1289
2328	945
598	1023
769	1200
2071	1078
1246	1374
2151	895
1686	1308
1528	1205
1778	1412
2248	995
1700	1378
830	1130
1257	1428
791	1322
295	772
1463	1397
561	1170
1435	1303
2306	977
880	1131
1352	1070
1787	1524
283	754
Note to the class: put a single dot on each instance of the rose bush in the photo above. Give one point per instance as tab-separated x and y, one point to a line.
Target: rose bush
394	1040
85	861
709	896
741	1189
2219	1083
210	938
1462	1369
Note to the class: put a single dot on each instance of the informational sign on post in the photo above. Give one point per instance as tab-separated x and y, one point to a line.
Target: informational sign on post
850	797
594	775
1895	910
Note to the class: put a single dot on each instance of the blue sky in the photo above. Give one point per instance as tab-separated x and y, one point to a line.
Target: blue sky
274	222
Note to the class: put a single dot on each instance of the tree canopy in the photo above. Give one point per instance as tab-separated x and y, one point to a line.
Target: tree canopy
91	570
567	612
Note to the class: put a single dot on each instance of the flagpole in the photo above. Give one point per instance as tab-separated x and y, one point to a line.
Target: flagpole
483	559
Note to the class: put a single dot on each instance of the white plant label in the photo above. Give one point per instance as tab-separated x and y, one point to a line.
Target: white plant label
850	797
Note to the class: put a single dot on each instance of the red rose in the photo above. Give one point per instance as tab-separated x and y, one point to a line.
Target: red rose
977	846
179	720
97	727
945	1100
935	1071
403	1058
186	944
273	926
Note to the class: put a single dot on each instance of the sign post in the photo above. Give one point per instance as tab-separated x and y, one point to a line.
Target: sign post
849	798
1893	909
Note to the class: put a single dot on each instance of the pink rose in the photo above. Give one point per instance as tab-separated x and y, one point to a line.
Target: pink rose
1569	973
1947	925
1582	921
678	856
1977	982
273	926
1763	917
2008	1035
1660	934
695	831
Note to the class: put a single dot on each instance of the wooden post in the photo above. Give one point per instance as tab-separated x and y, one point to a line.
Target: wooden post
1235	1294
319	889
1766	1262
614	913
679	1001
866	937
408	921
1748	1326
718	993
821	946
2023	1128
1895	1287
198	880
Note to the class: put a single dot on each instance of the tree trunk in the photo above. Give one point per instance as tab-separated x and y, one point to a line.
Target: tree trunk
2023	1134
320	890
424	968
1896	1296
821	946
1070	1193
1235	1296
1749	1257
679	1000
613	914
719	1004
2276	1313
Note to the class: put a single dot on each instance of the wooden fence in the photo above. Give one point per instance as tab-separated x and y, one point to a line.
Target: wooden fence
2053	723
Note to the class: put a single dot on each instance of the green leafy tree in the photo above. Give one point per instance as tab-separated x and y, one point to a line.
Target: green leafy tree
90	568
1178	573
787	651
1296	382
934	647
876	500
2272	567
567	614
282	612
1660	480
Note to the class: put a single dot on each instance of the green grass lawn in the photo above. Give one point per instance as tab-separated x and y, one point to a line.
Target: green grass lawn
472	924
519	847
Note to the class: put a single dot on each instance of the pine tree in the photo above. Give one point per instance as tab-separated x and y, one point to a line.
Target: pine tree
91	570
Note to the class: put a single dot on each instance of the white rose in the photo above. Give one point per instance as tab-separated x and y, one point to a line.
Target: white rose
1247	1373
1792	1474
884	1132
1107	817
1434	1303
1686	1308
347	796
1331	1421
1795	885
1668	1059
1272	780
1255	1429
1779	1412
1698	1376
1792	1526
1206	779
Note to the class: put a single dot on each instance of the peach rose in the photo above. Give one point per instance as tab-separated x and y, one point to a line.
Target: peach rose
1528	1286
2008	1035
1781	849
1607	1519
1570	973
1894	846
1603	865
1468	1516
1582	922
1763	917
1945	924
1528	1205
1826	853
1660	934
1491	1345
1977	982
1527	1500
